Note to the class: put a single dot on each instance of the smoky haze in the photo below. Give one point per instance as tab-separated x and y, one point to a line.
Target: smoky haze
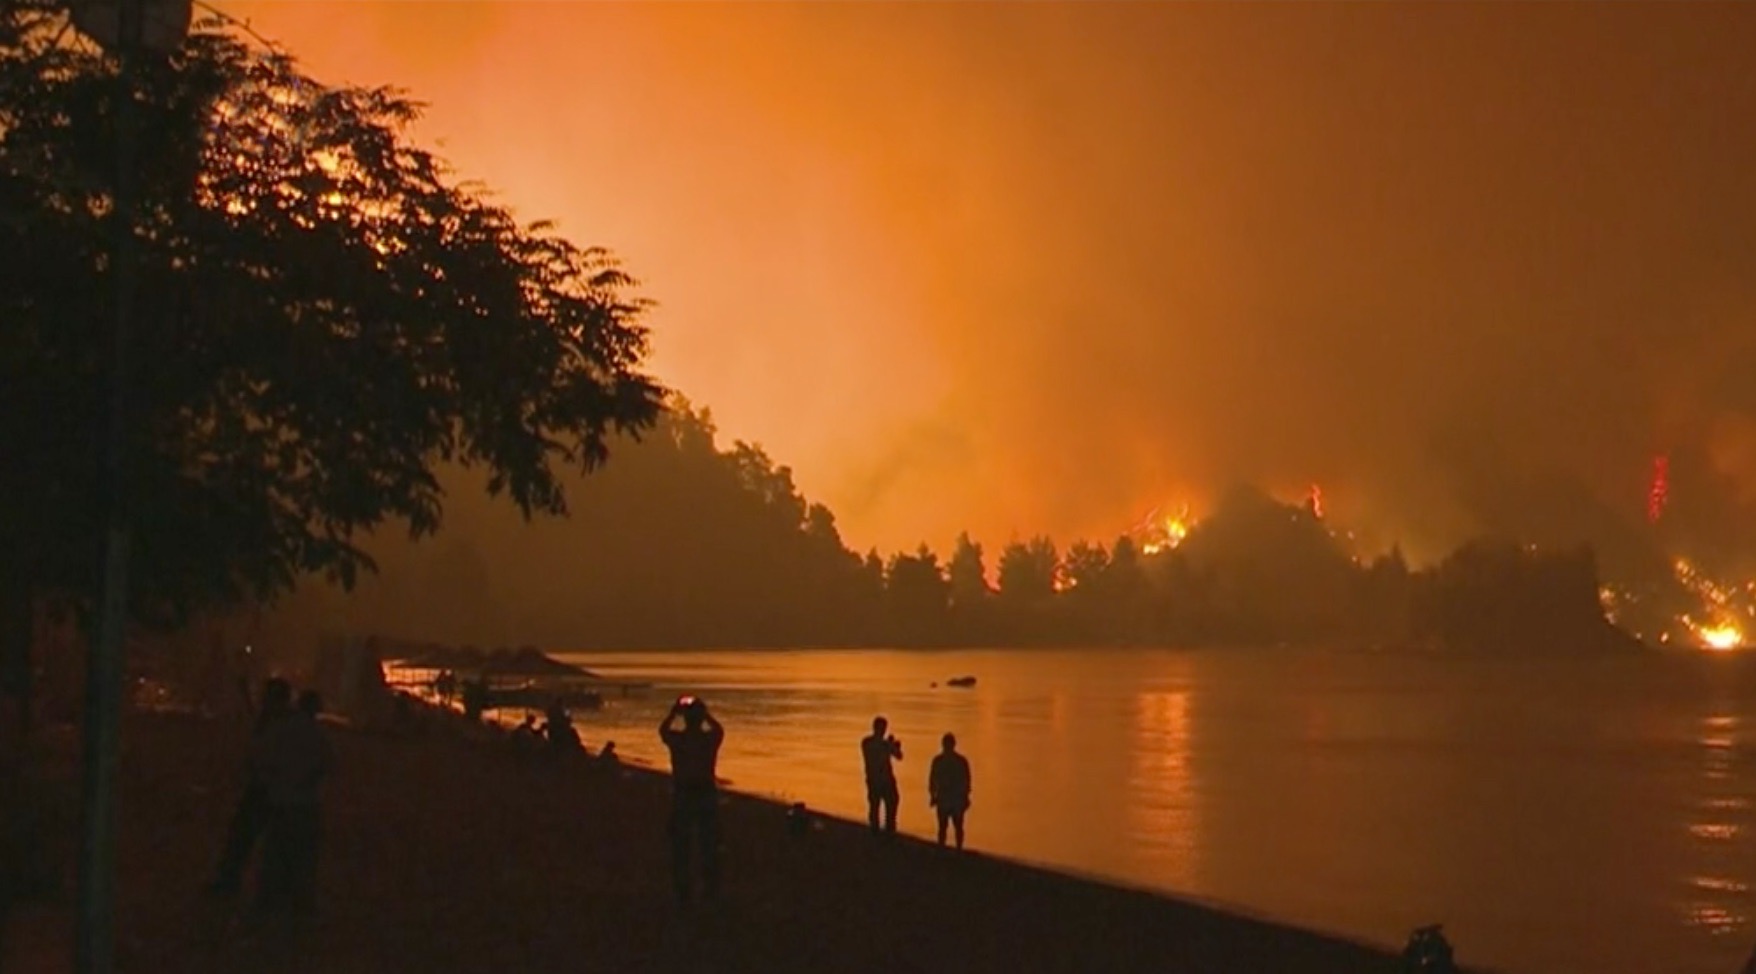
1024	268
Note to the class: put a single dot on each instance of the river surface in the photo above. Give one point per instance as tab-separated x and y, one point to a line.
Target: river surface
1559	815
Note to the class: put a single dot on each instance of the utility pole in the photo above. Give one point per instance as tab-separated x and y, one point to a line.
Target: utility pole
95	929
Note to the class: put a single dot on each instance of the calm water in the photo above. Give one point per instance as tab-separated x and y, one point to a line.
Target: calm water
1558	816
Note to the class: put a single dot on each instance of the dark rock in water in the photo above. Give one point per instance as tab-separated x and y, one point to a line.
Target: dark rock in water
961	681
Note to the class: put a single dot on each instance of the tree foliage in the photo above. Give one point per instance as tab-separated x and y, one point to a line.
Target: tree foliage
1029	571
325	317
967	573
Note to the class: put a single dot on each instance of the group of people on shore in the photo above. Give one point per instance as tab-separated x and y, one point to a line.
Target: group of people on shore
693	737
288	758
948	781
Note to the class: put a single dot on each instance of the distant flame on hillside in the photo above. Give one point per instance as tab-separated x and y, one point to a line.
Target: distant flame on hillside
1723	606
1163	532
1721	637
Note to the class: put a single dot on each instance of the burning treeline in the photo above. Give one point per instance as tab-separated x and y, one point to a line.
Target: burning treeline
680	543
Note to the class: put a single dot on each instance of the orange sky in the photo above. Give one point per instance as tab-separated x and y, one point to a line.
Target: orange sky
1022	267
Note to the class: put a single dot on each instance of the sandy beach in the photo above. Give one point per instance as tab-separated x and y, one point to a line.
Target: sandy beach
445	853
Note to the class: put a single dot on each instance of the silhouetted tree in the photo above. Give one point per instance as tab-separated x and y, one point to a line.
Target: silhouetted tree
1087	606
1124	594
972	600
1382	610
870	621
918	596
1511	598
820	527
1086	564
1272	571
323	317
968	575
873	567
1029	571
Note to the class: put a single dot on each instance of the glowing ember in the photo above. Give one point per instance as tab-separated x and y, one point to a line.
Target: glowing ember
1316	501
1711	592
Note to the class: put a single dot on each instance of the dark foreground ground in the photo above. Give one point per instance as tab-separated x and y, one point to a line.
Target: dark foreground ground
446	854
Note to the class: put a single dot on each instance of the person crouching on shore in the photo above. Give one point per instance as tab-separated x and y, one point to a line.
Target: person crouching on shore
694	792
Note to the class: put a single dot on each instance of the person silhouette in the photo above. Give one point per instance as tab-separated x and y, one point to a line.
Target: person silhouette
525	735
948	785
251	817
295	757
694	792
558	728
878	751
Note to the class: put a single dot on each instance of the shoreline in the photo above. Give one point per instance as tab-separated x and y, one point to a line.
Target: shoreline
778	806
1547	650
448	850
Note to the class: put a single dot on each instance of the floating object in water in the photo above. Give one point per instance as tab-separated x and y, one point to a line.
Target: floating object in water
961	681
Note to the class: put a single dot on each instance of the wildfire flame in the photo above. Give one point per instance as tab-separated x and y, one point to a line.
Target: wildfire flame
1721	637
1721	601
1164	533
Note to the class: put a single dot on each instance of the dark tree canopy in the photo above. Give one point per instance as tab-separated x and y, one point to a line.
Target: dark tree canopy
684	544
968	574
1028	571
324	317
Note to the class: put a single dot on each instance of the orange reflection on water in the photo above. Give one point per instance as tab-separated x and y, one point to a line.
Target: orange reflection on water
1717	743
1714	831
1715	920
1162	809
1719	909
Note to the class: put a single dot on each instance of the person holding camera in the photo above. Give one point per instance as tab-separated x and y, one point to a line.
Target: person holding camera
879	750
694	792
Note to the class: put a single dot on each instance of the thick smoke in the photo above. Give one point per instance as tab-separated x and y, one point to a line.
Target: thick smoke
1020	268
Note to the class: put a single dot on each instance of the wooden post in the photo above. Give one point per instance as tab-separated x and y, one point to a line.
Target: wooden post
95	933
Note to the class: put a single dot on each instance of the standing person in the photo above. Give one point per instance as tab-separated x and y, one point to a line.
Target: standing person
948	784
250	819
878	751
694	791
295	758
